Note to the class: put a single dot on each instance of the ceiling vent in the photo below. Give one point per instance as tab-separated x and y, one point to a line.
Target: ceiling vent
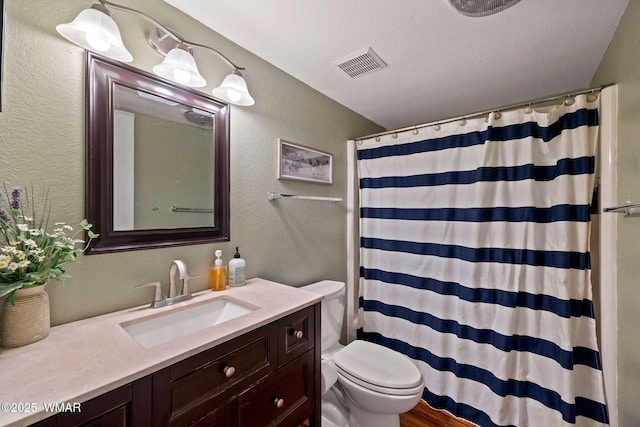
361	63
478	8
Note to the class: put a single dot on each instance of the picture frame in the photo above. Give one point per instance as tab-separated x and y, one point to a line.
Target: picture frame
301	163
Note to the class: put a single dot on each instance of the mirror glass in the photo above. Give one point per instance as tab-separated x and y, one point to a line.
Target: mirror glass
158	161
163	163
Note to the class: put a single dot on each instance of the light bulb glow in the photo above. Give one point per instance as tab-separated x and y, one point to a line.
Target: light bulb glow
98	41
233	95
181	76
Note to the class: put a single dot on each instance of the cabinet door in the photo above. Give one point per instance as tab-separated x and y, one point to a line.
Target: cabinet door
296	333
286	398
127	406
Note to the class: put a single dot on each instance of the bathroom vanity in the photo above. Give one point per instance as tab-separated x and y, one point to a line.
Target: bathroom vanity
259	369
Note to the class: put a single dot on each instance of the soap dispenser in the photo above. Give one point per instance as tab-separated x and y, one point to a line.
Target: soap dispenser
218	273
236	270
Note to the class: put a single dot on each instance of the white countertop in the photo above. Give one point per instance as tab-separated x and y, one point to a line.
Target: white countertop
84	359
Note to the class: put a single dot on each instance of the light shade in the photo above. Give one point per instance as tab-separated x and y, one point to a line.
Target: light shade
180	67
234	90
94	30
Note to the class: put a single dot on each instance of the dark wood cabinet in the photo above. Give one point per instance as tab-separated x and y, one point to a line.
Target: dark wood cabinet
269	376
126	406
283	399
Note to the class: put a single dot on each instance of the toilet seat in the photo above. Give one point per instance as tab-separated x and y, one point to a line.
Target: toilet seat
378	368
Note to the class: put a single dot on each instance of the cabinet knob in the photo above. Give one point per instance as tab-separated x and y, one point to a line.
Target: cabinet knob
298	334
229	371
278	402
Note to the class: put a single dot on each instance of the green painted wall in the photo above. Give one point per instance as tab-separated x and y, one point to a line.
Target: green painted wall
621	65
42	142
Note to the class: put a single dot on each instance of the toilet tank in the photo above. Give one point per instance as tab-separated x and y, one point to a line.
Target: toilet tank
332	308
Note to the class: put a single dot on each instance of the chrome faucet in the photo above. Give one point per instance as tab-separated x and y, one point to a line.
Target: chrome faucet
172	297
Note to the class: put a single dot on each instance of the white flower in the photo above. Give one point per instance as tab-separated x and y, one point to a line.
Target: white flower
20	255
5	259
35	232
23	227
13	266
24	263
8	249
3	263
31	243
68	227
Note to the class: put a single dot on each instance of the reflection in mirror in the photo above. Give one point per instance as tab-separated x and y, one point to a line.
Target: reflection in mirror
163	162
157	161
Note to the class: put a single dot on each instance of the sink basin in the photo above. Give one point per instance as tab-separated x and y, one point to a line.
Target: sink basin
167	326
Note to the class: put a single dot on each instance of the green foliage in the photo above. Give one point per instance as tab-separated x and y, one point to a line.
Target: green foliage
32	252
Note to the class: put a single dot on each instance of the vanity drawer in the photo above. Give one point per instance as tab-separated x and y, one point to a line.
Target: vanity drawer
219	417
296	333
197	385
291	388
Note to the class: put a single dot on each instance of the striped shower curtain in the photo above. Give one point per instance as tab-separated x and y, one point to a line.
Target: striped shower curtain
474	252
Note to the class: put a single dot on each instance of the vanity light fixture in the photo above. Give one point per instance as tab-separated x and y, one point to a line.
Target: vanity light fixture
94	29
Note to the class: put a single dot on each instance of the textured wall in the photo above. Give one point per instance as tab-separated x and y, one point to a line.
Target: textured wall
621	65
42	142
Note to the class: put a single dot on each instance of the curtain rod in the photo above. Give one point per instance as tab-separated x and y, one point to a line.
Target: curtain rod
485	112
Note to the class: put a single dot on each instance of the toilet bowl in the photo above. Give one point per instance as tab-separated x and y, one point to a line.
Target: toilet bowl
333	411
378	384
368	384
332	416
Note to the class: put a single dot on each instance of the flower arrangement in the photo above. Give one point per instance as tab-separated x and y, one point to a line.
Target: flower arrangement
31	253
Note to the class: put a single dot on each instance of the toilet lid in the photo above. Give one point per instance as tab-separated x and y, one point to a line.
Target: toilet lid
328	288
374	365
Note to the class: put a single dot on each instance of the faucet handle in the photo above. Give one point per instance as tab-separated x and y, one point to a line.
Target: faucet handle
158	294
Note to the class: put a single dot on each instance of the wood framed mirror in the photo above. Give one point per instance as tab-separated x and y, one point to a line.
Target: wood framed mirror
157	161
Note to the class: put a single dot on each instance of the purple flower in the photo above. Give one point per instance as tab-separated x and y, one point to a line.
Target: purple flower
15	198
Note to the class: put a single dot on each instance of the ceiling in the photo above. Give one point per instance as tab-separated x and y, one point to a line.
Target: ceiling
441	63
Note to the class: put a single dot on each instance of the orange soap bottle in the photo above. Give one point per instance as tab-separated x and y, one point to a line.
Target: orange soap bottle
218	273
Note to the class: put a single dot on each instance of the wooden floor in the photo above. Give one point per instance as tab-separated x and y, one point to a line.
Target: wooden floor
424	416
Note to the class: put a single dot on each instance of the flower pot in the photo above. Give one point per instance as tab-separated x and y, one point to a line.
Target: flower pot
28	320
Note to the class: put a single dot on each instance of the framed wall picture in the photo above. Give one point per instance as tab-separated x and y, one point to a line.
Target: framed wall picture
301	163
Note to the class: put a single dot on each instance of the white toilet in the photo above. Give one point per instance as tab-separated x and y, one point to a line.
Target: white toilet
367	384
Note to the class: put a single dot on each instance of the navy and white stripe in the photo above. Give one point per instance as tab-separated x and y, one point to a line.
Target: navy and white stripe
475	263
